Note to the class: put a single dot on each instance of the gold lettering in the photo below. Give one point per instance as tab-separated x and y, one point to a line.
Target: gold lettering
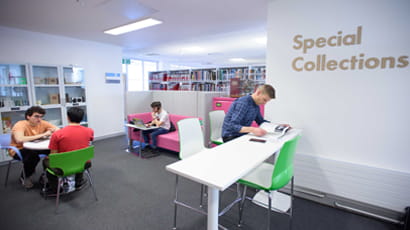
339	38
372	63
294	64
321	42
329	41
309	66
361	61
391	61
349	39
331	65
308	44
359	35
295	39
342	64
403	61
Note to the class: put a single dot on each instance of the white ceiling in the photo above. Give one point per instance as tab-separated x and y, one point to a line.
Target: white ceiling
223	29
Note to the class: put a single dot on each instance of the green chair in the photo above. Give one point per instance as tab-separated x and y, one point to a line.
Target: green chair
216	119
268	177
70	163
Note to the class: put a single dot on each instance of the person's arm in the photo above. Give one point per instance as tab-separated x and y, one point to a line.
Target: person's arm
255	130
161	120
20	137
238	114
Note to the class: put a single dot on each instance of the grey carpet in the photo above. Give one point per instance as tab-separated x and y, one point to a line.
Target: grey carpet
137	193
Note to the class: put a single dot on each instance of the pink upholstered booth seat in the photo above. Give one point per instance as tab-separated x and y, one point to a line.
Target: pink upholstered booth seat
168	141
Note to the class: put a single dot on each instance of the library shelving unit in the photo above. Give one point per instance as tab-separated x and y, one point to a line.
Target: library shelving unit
55	88
234	80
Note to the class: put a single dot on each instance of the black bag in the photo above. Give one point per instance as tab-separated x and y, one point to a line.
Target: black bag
172	128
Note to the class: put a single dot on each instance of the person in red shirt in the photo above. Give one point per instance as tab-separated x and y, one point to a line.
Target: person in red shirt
72	137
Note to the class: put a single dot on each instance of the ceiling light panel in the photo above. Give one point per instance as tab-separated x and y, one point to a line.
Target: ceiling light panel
133	26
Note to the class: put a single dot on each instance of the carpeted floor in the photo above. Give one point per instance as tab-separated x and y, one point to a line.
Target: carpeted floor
137	193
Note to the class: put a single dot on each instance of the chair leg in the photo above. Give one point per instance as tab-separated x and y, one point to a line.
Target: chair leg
175	204
241	206
269	209
201	204
60	179
7	175
87	172
291	204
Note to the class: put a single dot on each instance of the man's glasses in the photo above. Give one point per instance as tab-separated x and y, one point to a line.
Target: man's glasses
39	116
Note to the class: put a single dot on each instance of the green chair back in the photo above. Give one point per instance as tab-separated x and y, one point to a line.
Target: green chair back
283	170
70	162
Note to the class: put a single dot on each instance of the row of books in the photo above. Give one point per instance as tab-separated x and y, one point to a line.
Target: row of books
194	86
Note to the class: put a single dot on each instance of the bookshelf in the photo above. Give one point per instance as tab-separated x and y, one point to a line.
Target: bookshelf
244	78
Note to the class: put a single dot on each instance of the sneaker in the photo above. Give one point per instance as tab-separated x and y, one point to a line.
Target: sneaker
27	183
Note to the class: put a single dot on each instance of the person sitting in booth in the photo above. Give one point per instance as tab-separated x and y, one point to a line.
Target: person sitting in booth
160	118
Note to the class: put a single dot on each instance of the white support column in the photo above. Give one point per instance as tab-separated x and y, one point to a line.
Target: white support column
213	208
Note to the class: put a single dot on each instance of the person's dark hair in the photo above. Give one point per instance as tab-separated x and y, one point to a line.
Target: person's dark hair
34	109
268	90
156	104
75	114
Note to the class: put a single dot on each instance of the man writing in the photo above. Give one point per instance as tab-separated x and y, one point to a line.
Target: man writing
33	128
244	111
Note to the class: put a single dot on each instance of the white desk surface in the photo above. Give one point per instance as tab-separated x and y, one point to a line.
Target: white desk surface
141	128
40	145
223	165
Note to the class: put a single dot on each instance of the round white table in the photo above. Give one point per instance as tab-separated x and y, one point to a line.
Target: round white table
39	145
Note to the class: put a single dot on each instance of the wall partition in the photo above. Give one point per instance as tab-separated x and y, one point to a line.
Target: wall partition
341	71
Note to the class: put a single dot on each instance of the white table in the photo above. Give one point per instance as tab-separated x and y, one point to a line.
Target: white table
141	129
223	165
37	145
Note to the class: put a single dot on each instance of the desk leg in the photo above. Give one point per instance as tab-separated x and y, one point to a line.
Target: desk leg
141	140
213	207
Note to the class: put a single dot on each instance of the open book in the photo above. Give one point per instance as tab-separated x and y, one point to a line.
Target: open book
275	130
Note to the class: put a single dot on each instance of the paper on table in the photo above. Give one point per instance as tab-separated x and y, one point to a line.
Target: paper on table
275	131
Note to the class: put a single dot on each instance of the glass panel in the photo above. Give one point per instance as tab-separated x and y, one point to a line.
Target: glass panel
10	118
13	96
148	67
53	115
135	77
45	75
73	75
74	94
13	74
47	95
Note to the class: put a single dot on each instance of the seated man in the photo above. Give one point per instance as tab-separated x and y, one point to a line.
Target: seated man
243	111
33	128
160	118
70	138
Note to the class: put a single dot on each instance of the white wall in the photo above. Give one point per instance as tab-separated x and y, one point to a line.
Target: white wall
104	101
358	116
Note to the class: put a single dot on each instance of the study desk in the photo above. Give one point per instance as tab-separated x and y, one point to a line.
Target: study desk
37	145
141	129
223	165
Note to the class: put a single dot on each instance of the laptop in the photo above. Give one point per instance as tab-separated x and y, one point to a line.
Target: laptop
139	123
